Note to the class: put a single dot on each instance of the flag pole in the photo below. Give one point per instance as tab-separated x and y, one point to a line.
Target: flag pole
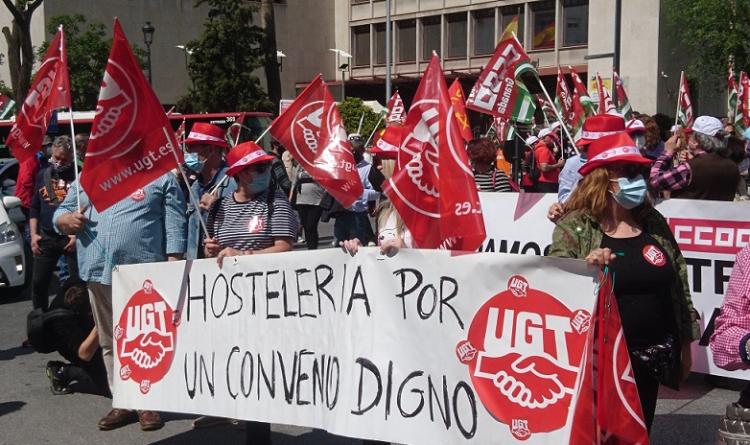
557	114
374	130
487	133
193	198
75	157
679	96
554	108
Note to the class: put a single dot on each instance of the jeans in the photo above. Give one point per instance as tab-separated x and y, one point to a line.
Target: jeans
52	246
350	225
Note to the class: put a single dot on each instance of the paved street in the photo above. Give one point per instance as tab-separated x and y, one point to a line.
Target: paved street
30	414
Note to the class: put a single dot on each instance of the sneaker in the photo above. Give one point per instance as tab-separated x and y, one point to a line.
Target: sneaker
57	385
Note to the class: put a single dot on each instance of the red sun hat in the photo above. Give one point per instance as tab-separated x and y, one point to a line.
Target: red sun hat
612	149
599	126
205	133
244	155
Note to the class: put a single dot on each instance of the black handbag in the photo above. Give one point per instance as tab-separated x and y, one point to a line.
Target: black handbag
662	360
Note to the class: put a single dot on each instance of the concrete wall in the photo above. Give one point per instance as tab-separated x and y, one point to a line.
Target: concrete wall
639	59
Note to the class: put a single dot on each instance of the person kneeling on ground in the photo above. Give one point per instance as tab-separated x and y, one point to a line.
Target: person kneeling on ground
68	328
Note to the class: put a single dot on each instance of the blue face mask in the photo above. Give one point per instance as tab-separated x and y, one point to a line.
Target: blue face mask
260	183
632	192
193	162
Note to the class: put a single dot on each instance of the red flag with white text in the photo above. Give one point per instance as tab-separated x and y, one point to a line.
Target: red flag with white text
494	91
606	106
313	132
623	102
564	98
456	93
132	142
684	103
396	110
619	414
388	141
433	187
49	91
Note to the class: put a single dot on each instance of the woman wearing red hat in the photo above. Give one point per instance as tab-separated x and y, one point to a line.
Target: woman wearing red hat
609	221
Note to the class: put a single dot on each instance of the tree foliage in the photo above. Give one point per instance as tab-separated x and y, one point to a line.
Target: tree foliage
223	60
87	51
351	110
714	32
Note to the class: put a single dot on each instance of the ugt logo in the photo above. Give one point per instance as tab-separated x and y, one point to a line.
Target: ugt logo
524	351
145	338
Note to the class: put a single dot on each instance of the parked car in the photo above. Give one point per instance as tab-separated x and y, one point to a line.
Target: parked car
12	255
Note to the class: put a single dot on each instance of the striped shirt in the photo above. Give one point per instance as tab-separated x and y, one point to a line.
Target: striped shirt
142	228
493	180
732	327
246	225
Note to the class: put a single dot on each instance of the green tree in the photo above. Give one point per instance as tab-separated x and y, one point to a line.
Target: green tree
351	110
223	60
713	32
87	51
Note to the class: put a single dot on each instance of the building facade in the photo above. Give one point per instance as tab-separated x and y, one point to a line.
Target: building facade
462	32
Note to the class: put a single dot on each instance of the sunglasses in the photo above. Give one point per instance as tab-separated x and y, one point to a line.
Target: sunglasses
626	170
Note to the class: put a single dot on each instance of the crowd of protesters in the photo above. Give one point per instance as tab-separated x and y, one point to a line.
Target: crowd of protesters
251	201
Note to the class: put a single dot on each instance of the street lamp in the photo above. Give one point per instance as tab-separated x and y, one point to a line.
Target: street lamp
188	52
148	38
280	56
343	67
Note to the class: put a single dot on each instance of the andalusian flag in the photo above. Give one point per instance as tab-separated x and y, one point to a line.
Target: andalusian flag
524	108
6	106
583	94
623	104
731	94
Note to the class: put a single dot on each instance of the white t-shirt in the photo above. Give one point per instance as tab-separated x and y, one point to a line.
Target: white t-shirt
389	232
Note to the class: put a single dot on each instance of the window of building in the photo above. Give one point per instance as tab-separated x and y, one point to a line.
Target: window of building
456	35
361	45
484	31
379	43
356	2
407	40
430	36
507	14
543	21
575	22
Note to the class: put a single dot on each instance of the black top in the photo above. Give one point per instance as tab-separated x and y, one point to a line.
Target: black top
642	276
50	189
70	331
712	177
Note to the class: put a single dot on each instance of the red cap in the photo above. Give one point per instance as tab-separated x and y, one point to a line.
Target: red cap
246	154
205	133
599	126
612	149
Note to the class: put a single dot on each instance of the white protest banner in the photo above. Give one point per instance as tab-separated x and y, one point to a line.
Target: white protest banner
710	233
421	348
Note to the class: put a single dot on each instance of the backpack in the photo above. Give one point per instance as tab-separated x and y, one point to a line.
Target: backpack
36	327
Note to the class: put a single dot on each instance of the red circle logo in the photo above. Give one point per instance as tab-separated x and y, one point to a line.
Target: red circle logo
523	351
654	256
145	338
138	195
116	113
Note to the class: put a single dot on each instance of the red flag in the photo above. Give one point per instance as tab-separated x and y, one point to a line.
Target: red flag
622	98
744	99
578	114
432	186
739	116
564	97
494	92
388	141
606	106
396	110
619	414
684	103
312	130
459	110
49	92
132	142
582	92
